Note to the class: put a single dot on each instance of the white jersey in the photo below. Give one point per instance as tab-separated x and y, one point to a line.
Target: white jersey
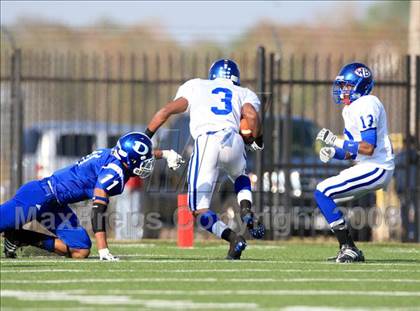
215	105
363	114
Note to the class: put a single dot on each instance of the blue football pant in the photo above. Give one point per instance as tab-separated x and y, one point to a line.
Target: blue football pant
34	201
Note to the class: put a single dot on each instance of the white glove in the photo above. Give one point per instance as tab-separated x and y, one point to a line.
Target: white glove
326	136
326	154
104	254
256	146
174	159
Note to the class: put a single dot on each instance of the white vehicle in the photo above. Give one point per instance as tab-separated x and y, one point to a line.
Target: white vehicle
49	146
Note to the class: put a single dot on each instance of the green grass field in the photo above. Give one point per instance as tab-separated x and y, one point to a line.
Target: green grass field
155	275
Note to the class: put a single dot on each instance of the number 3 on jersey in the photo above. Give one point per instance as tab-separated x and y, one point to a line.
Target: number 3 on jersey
227	100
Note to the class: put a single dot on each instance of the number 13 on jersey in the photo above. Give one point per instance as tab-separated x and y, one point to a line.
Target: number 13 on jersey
227	100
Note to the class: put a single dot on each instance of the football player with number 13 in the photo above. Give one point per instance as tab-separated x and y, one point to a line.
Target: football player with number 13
366	142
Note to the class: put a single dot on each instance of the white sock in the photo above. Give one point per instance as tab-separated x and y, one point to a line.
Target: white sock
218	228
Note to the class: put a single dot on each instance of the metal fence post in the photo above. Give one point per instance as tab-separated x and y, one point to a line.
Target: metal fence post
17	120
417	144
260	155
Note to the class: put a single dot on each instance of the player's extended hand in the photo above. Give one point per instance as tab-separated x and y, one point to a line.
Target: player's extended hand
173	159
326	154
104	254
326	136
255	228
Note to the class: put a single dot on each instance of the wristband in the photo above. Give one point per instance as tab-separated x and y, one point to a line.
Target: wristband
347	145
149	133
339	143
351	146
103	199
339	154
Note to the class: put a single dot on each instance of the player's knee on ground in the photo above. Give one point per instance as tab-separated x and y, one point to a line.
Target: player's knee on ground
79	253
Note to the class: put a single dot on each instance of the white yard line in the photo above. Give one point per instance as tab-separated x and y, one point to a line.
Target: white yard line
111	245
119	300
294	292
152	292
64	270
209	280
201	260
328	308
198	270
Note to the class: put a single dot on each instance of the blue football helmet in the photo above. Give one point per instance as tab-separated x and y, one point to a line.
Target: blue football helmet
225	68
353	81
135	150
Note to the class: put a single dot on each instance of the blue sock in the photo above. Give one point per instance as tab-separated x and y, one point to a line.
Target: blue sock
243	188
328	207
211	223
48	244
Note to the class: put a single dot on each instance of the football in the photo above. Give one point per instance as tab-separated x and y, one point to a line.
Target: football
246	132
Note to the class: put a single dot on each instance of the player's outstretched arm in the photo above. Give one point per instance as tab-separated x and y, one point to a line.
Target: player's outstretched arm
98	217
174	107
173	159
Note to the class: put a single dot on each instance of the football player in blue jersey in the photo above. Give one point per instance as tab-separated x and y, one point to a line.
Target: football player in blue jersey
97	176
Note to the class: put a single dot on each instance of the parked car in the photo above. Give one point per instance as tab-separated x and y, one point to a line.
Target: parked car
49	146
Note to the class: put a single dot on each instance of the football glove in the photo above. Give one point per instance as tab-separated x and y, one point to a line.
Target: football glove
255	229
173	159
104	254
326	154
257	144
326	136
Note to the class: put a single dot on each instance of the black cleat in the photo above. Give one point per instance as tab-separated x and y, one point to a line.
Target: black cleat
11	244
237	245
349	254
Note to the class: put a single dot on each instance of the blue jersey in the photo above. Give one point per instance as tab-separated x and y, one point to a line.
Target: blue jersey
100	169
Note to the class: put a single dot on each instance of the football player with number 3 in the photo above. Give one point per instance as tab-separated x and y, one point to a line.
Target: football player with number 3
216	106
366	142
97	176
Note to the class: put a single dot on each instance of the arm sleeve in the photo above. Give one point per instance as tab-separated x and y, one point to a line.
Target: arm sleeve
252	98
369	136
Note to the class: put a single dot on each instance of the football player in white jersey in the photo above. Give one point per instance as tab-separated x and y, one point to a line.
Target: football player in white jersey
216	107
366	142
